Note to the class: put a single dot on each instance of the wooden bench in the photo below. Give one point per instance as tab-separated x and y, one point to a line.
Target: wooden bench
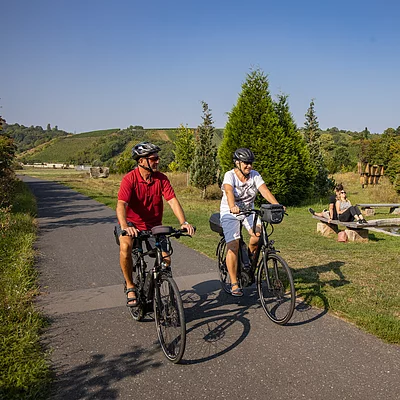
369	209
355	232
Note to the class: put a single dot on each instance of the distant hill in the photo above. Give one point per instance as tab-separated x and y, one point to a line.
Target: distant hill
27	138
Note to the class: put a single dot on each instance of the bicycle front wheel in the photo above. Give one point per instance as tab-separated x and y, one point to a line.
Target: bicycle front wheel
170	318
276	288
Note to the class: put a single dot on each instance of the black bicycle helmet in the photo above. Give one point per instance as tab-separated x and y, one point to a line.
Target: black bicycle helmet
144	149
244	155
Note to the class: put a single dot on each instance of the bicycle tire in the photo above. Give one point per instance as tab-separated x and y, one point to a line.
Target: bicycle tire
138	312
224	277
169	317
277	294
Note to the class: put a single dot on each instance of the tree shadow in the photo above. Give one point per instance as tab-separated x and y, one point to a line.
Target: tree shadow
95	379
310	288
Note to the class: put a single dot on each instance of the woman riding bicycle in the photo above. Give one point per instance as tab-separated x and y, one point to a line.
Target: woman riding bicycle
240	187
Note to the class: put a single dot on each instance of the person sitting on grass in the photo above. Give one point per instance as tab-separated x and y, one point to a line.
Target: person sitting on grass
346	212
331	213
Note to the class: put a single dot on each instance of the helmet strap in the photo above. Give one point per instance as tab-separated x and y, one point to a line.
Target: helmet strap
148	168
240	169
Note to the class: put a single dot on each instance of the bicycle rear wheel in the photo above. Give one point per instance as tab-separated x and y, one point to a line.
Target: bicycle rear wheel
139	311
170	318
224	277
276	288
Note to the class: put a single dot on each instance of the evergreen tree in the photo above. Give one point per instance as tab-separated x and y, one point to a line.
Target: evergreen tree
312	133
267	128
251	119
204	168
184	148
295	173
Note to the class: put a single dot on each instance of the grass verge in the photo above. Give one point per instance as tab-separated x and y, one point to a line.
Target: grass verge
25	373
359	282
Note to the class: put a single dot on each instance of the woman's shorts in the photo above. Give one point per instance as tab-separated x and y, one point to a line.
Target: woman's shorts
231	226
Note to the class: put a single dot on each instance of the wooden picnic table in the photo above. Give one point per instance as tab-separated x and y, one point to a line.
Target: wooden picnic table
392	206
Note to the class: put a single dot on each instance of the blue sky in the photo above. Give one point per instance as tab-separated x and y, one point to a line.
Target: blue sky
94	64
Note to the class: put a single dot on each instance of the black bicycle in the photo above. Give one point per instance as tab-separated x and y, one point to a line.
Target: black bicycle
157	291
274	278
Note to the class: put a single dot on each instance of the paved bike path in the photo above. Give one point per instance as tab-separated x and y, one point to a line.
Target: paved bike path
233	350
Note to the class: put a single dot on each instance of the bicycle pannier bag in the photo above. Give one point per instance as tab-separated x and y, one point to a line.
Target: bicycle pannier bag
272	213
215	223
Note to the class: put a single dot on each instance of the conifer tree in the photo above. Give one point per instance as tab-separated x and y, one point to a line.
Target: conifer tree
204	168
184	148
312	134
267	128
295	171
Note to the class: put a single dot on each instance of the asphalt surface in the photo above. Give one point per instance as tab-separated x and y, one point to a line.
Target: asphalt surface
233	351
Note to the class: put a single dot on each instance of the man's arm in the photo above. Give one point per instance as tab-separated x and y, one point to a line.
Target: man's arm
180	215
121	216
331	208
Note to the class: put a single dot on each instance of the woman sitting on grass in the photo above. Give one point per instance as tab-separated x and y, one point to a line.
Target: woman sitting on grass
346	212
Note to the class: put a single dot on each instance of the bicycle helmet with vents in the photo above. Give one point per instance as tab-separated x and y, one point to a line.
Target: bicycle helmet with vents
244	155
144	149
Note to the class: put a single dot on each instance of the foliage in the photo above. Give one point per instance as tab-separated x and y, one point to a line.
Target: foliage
7	154
185	147
26	138
268	129
25	373
204	168
312	136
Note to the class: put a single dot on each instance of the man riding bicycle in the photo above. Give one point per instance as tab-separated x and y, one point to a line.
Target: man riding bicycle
240	187
140	207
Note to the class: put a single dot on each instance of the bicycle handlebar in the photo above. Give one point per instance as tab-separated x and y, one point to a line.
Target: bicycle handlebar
172	232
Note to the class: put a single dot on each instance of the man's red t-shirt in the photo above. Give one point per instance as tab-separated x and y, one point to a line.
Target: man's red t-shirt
145	199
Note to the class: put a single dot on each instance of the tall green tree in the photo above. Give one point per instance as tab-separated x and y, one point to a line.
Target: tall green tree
267	128
204	168
312	135
184	148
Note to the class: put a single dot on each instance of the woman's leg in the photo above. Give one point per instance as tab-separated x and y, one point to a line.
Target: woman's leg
231	227
346	216
231	260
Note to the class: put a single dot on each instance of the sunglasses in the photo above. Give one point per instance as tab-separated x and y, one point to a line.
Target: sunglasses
155	158
247	162
343	192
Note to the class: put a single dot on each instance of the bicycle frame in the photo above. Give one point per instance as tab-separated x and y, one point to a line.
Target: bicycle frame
264	246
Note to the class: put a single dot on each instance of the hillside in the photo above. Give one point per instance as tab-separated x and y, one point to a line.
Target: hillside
27	138
101	146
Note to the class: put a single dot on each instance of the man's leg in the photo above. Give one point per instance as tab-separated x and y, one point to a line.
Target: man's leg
125	260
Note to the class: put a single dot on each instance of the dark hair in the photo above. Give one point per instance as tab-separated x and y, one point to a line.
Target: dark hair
339	187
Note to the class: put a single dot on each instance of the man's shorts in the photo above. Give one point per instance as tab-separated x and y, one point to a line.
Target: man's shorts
231	226
150	242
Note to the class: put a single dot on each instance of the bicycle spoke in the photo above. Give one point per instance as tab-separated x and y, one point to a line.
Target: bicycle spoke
224	277
276	289
170	319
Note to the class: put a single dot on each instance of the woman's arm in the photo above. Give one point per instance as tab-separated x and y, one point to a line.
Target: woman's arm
265	192
231	199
